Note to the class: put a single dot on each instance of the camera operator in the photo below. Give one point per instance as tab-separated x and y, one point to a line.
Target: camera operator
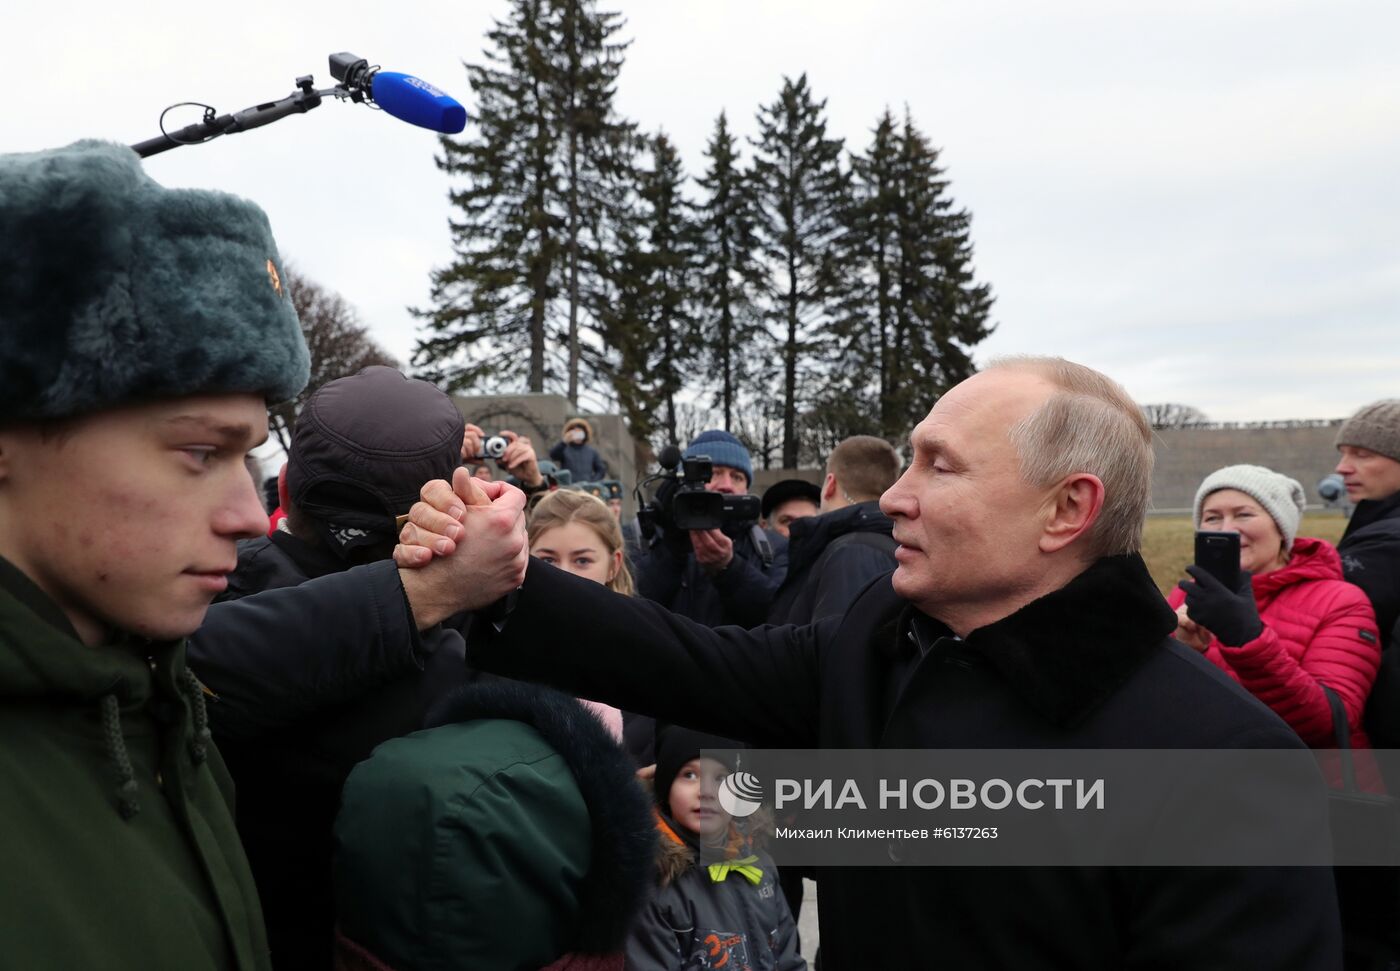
716	576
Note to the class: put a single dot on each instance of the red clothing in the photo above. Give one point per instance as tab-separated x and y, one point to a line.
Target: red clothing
274	520
1318	629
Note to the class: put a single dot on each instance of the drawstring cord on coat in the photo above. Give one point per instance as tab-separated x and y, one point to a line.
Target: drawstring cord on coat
115	744
199	743
116	750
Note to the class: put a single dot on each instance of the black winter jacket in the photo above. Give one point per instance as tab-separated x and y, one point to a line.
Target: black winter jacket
583	461
742	593
289	777
1089	666
1370	550
832	558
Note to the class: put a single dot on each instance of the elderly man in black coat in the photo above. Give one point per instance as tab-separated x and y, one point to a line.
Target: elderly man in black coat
1020	616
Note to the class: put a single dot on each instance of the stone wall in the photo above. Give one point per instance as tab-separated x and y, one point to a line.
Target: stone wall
1185	456
541	417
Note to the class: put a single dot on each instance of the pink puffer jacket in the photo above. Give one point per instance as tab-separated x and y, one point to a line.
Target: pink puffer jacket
1318	629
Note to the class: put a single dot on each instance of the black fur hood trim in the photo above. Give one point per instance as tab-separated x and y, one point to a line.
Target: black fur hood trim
624	827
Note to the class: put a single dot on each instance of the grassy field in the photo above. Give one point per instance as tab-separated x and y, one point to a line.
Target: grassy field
1168	543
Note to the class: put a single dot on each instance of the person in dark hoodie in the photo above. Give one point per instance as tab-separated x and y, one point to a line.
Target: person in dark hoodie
510	834
832	556
362	448
726	915
577	454
143	331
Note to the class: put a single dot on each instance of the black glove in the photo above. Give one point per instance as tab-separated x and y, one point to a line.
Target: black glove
1228	614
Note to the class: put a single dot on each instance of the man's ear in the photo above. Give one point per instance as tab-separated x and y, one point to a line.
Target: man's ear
829	487
1071	510
284	498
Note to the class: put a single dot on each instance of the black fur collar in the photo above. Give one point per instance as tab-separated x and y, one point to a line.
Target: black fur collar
1068	651
624	827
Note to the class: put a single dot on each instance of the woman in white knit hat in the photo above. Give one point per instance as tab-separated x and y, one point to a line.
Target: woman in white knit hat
1294	625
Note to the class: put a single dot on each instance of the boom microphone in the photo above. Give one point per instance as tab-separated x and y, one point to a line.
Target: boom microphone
404	96
417	102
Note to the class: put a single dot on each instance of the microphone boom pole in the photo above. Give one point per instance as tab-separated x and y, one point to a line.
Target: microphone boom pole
403	96
298	102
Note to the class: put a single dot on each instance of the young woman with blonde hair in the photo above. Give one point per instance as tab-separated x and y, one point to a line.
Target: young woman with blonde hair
578	533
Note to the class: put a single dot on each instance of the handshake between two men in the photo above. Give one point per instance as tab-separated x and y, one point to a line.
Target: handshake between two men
487	516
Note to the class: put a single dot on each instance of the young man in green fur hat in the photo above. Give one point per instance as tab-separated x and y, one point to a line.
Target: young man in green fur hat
142	332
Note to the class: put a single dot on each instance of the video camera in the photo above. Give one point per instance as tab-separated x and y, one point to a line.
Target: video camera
682	502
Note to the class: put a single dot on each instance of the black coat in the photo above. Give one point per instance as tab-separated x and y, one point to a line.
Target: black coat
741	593
1089	666
1370	550
256	686
583	461
832	558
288	777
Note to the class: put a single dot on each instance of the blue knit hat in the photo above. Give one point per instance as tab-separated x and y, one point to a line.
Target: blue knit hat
723	449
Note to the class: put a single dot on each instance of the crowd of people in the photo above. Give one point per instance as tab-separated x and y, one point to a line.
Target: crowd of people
462	705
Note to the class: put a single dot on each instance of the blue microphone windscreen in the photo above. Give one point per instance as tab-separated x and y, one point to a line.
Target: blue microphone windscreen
417	102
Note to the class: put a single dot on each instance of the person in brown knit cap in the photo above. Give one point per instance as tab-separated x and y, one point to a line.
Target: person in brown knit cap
1370	469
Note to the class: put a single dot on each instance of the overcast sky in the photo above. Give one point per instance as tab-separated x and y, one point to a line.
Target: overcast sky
1198	196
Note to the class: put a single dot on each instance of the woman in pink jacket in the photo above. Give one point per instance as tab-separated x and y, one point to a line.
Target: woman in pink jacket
1294	625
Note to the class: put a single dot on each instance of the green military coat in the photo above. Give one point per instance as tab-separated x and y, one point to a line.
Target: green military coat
117	841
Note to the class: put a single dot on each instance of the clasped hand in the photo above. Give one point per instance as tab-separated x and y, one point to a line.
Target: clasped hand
487	519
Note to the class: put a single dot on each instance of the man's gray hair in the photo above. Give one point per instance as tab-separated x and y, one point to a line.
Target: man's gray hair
1089	425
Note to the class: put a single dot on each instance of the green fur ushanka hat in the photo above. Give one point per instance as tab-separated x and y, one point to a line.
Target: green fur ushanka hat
115	289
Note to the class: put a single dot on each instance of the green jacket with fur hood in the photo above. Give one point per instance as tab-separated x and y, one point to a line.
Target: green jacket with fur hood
119	849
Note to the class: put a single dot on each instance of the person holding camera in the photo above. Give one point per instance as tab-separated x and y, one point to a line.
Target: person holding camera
1294	626
715	576
513	453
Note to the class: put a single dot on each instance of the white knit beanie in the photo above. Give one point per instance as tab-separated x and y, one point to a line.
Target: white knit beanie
1281	497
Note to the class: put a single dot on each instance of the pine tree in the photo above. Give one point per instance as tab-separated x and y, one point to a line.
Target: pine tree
799	189
584	82
731	273
650	316
913	311
536	168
